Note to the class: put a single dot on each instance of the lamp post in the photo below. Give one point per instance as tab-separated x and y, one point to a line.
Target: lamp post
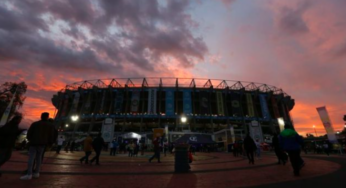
183	120
315	129
74	118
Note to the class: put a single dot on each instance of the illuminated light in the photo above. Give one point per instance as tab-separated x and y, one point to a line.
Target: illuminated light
66	125
74	117
183	119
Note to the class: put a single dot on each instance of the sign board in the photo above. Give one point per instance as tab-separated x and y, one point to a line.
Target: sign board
107	130
256	132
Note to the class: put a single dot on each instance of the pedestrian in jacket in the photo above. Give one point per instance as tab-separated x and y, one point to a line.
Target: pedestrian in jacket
40	134
250	148
87	149
8	135
291	142
97	144
278	150
156	144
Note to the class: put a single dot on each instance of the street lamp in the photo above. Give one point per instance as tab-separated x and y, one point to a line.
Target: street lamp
74	117
315	129
66	125
183	120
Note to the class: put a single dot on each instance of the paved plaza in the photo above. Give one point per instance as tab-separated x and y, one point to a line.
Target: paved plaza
208	170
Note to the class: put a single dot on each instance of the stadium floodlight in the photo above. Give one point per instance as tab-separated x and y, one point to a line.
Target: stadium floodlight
183	119
74	117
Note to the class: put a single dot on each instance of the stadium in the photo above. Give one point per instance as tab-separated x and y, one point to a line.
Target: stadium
225	110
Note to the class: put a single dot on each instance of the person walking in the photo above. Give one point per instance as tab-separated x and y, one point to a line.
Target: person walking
67	146
8	135
87	149
97	144
40	135
250	147
156	144
278	150
291	142
114	145
73	144
131	148
60	142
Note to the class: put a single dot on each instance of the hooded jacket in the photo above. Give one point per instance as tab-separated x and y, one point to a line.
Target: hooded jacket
290	140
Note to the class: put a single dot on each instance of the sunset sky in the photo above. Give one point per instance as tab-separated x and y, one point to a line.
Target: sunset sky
296	45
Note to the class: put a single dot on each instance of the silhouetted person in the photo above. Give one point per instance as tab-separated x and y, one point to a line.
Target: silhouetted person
87	149
60	142
73	143
8	135
156	150
278	150
250	147
97	144
291	142
40	135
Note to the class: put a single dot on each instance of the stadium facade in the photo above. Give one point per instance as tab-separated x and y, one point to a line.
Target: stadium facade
222	108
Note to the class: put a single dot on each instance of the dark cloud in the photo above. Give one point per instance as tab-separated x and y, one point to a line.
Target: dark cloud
291	20
144	32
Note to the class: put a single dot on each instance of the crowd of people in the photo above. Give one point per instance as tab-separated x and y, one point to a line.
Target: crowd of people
42	135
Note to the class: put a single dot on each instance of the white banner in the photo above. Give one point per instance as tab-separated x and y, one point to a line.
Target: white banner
7	112
256	131
108	130
152	101
322	111
75	103
231	128
135	101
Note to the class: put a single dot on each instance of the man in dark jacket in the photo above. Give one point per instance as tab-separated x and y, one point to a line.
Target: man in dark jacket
40	135
97	144
157	150
290	142
278	150
250	147
8	136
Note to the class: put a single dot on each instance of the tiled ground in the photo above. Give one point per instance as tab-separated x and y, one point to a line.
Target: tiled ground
208	170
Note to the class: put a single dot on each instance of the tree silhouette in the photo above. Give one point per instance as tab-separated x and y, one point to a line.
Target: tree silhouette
7	90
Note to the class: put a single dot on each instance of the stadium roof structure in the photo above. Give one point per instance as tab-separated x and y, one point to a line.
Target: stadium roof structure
149	82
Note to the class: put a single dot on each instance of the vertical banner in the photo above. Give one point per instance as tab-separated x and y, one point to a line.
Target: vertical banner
187	107
118	101
152	101
204	102
87	106
264	106
107	130
75	103
135	101
250	108
256	131
275	107
231	128
170	102
236	108
65	105
7	112
322	111
219	101
101	110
